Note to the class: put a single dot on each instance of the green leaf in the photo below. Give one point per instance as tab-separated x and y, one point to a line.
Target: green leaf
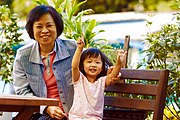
92	24
75	8
79	27
58	3
80	14
70	25
41	2
68	7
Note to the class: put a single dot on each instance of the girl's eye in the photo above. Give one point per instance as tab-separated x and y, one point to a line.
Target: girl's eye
88	61
98	62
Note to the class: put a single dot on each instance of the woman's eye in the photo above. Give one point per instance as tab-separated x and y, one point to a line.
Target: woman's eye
49	25
38	26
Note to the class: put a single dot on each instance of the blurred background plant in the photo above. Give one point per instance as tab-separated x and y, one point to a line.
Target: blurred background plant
99	6
9	38
163	52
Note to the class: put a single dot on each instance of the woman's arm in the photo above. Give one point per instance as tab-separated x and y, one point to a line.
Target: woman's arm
20	82
76	59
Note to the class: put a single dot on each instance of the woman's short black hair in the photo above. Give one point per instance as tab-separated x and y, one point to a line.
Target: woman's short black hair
95	52
35	15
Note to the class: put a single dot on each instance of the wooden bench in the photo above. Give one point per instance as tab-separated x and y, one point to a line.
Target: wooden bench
133	100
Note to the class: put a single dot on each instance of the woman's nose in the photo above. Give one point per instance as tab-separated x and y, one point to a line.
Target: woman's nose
44	29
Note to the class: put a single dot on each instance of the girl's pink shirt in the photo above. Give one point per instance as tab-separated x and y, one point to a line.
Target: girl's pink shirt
88	99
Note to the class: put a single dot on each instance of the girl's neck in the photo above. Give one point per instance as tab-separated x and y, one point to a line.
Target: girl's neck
91	79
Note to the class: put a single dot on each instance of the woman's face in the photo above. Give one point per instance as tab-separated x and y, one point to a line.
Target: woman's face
45	30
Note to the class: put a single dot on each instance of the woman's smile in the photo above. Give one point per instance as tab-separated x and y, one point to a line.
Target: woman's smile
46	37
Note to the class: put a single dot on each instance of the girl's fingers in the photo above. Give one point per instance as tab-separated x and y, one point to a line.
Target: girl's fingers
81	39
121	53
82	36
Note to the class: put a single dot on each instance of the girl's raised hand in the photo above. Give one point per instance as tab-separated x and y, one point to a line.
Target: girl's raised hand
80	42
121	54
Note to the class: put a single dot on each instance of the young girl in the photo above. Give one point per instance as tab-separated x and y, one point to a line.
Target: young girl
88	75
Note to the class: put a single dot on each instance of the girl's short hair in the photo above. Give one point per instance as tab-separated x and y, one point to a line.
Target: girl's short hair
35	15
94	52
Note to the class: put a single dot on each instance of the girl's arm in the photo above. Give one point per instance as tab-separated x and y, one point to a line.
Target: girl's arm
115	72
76	59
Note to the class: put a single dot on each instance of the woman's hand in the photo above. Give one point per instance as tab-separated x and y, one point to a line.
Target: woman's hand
55	112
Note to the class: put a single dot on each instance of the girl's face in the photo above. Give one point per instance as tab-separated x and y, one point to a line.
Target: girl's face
93	67
45	30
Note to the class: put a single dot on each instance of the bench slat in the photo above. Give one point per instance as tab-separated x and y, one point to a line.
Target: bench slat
141	89
130	103
138	74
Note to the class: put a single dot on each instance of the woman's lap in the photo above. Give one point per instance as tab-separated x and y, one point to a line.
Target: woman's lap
38	116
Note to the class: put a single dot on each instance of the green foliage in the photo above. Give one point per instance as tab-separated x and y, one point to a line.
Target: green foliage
9	37
22	7
164	53
175	4
163	6
6	2
150	5
105	6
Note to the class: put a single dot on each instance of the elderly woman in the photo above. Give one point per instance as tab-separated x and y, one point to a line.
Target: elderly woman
43	68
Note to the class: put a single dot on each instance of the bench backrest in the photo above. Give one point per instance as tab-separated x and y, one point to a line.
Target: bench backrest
147	91
126	48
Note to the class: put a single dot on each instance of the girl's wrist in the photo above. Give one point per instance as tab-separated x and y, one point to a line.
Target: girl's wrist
81	49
